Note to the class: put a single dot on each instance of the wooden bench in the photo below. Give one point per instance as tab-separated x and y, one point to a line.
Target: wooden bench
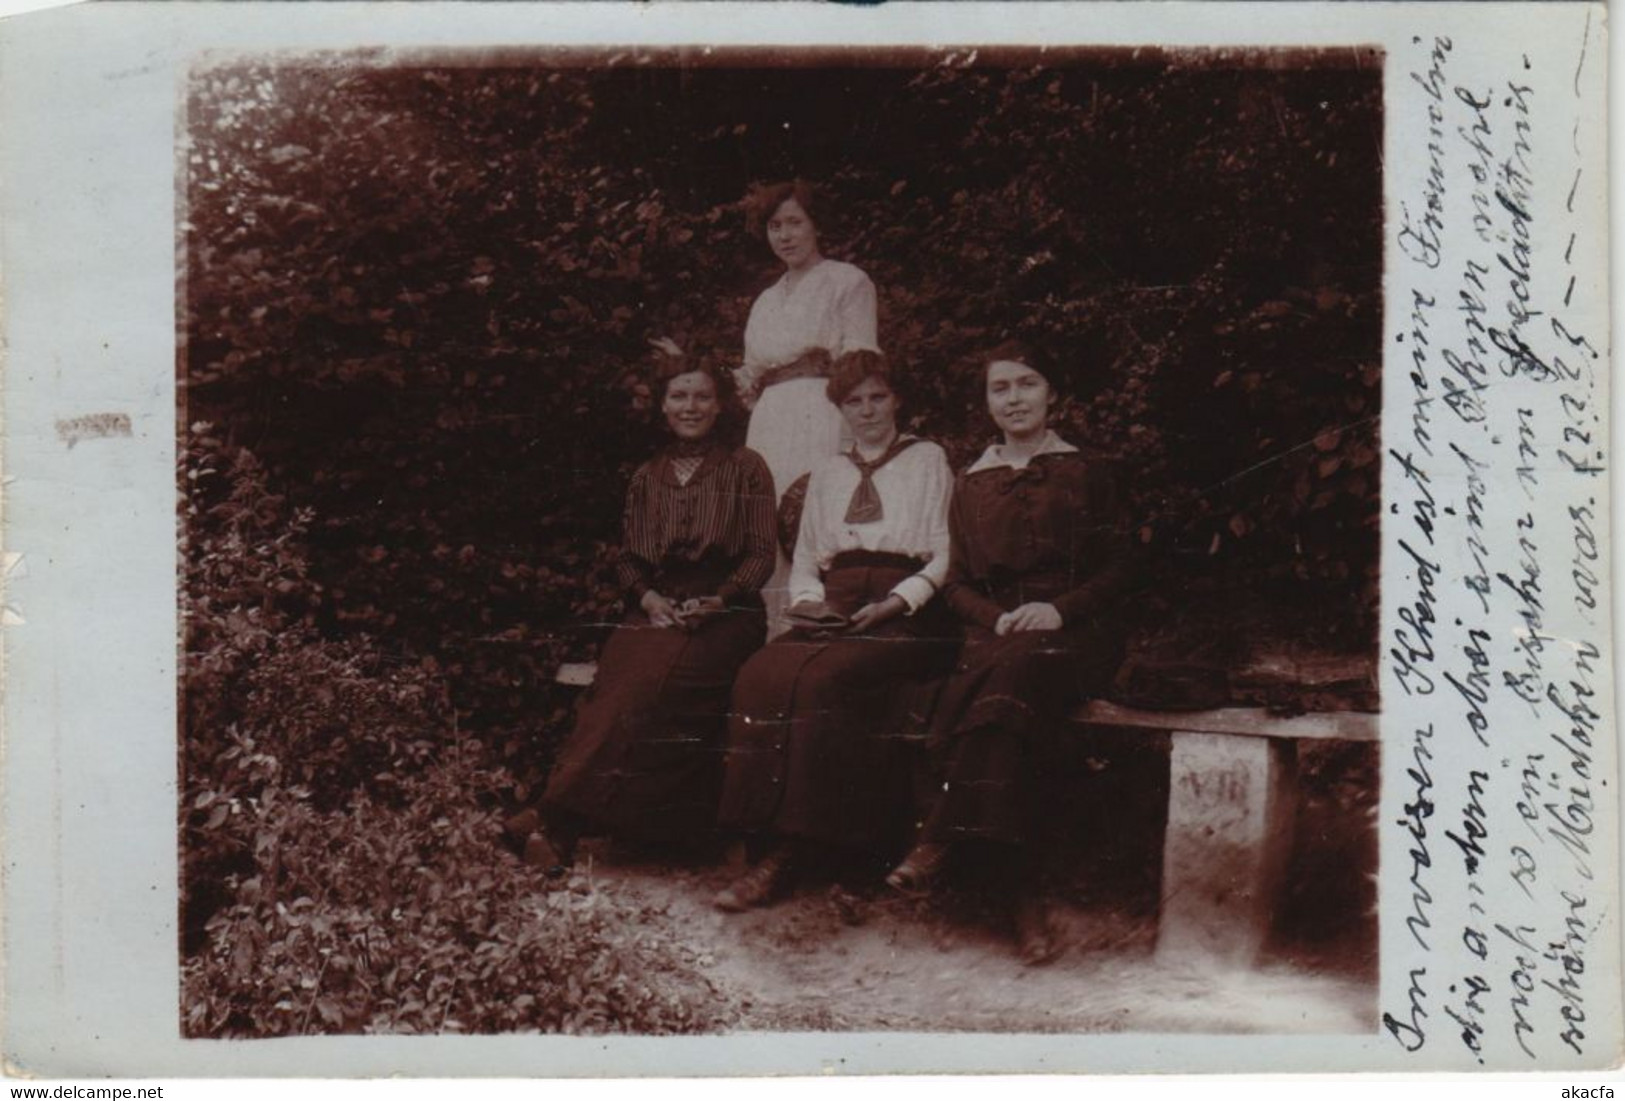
1232	797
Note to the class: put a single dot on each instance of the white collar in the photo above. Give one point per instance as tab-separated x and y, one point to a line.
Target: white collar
994	456
895	440
784	280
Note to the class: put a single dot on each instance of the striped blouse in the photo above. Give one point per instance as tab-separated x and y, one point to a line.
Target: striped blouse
725	508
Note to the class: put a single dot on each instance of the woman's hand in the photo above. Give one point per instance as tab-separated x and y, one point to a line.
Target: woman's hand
1029	617
745	386
873	615
661	612
696	610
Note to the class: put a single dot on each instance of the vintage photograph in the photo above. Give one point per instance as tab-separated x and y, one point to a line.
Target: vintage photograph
685	541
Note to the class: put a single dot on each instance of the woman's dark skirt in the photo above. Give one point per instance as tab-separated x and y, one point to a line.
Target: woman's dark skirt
812	749
997	725
645	758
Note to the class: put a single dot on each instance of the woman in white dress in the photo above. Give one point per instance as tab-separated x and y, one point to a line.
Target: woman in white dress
818	310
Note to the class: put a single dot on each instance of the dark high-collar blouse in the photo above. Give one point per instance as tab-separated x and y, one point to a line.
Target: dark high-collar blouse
1051	532
724	512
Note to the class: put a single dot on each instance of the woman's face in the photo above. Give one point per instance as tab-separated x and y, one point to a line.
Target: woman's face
1018	397
691	405
791	233
871	412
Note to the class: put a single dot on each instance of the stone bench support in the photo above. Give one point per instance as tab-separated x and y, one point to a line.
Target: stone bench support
1232	797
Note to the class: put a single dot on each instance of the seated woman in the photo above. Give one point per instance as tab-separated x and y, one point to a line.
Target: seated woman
807	762
645	758
1039	562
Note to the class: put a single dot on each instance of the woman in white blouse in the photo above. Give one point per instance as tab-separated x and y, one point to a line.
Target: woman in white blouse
807	760
817	311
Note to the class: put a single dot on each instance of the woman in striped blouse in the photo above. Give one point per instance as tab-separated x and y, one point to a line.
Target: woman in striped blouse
644	760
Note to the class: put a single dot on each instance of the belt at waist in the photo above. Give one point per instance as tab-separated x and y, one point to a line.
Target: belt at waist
814	364
868	560
1011	591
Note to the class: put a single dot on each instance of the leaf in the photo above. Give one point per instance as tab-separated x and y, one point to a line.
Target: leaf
242	958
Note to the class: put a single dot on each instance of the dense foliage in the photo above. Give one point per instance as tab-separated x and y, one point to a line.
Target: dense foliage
417	300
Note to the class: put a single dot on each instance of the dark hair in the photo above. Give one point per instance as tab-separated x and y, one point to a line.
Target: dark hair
1017	351
668	367
765	200
853	368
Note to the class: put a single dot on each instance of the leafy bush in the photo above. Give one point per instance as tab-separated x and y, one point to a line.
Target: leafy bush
408	918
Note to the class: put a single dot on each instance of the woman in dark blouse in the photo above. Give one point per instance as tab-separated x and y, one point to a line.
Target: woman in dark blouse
645	758
1038	563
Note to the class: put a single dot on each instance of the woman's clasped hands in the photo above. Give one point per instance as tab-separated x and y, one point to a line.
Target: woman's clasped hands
687	614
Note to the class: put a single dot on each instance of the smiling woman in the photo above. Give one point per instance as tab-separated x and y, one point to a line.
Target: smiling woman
1039	566
644	758
691	405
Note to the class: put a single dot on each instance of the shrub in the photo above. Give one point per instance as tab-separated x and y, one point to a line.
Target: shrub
407	918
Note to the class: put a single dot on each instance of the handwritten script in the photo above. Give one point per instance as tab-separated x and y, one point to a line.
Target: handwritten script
1496	653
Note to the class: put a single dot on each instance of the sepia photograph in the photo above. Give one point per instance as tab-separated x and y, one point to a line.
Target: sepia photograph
697	541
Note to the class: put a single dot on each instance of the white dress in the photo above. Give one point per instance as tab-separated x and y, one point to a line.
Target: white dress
794	425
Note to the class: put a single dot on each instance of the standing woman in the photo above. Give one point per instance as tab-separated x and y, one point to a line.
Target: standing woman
808	763
1039	564
817	311
645	758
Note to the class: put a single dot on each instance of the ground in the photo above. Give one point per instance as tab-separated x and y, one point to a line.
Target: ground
855	958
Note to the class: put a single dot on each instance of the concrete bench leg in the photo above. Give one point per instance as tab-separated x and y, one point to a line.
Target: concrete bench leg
1230	810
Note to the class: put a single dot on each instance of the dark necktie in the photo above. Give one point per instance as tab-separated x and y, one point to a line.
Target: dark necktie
865	506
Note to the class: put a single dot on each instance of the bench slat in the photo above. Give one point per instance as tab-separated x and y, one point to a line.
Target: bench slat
1350	726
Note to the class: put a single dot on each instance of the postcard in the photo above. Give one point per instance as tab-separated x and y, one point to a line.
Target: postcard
727	538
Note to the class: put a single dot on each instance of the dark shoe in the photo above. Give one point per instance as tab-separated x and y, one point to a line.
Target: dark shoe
552	856
518	827
757	887
1038	941
919	869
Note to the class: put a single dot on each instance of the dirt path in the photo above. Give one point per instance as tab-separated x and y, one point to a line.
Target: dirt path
830	960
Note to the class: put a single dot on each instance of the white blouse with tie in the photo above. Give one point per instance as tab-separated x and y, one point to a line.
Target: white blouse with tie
914	488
